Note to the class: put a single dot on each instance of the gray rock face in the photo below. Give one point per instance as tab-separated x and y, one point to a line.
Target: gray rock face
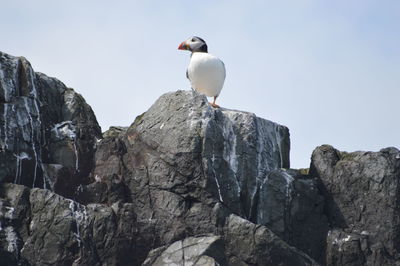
291	205
239	150
362	191
47	131
14	221
42	228
182	157
178	171
185	183
252	244
221	147
38	227
185	166
242	243
348	248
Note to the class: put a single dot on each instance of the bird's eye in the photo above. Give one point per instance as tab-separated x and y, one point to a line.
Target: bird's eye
193	40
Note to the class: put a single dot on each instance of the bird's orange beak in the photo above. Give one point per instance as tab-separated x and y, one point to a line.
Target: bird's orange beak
183	46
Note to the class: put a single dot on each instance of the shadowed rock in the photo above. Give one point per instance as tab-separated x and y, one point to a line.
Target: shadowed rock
47	131
291	205
252	244
363	192
43	228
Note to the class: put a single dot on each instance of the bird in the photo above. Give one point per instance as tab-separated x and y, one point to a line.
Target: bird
205	72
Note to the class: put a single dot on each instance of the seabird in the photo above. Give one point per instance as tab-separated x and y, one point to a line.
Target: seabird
205	71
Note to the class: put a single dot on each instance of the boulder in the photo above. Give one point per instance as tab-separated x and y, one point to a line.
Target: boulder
362	191
182	137
291	205
201	250
242	243
252	244
186	166
182	157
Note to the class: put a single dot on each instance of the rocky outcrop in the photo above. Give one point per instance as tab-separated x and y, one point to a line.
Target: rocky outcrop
184	184
363	192
226	153
181	158
292	206
47	131
184	157
39	227
242	243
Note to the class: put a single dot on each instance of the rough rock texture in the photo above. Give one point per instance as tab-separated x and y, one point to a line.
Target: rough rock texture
181	157
252	244
363	196
292	206
186	166
178	171
227	153
40	227
47	131
184	184
246	243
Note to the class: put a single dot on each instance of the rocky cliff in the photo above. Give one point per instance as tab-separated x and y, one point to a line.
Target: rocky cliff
184	184
48	132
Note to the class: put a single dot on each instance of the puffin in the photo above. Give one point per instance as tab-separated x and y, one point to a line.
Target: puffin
205	72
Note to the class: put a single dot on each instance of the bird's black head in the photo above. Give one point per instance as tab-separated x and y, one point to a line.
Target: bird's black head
194	44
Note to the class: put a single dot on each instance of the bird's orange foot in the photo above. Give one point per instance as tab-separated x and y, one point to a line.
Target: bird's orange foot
214	105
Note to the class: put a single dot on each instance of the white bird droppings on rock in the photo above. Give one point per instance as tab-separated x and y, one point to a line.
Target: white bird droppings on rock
79	214
11	238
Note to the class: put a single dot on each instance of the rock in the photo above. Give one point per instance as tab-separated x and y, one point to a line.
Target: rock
346	248
47	131
202	250
362	191
239	150
206	141
173	186
115	132
39	227
252	244
95	192
109	169
182	157
184	184
243	243
291	205
14	221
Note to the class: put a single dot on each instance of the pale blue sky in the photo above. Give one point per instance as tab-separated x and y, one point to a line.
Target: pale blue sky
328	70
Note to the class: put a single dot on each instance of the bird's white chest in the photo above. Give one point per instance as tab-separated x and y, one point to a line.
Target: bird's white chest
206	74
